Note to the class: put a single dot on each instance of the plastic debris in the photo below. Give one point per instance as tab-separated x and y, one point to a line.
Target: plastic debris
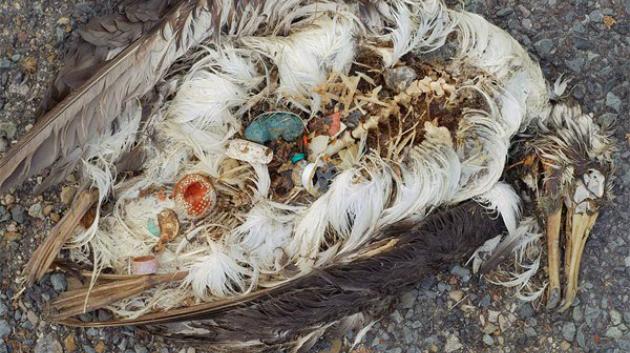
274	125
297	157
324	176
153	227
317	146
353	119
308	175
296	173
327	125
195	193
144	265
169	227
249	152
399	78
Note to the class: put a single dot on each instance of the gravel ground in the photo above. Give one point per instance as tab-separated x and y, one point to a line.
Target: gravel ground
452	312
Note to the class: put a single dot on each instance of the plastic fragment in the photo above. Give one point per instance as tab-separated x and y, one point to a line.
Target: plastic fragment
195	193
399	78
144	265
297	157
169	228
249	152
274	125
153	227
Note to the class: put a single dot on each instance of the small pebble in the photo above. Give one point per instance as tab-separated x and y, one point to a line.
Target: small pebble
452	344
48	344
58	281
17	214
568	331
35	210
488	340
67	194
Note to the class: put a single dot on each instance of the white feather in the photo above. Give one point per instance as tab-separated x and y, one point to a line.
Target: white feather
503	200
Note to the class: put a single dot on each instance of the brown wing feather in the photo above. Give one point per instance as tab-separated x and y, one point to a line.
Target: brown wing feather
292	310
99	39
89	110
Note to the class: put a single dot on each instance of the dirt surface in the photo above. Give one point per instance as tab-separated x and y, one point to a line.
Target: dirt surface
588	41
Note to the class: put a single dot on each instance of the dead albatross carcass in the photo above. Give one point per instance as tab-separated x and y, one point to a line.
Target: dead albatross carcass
262	171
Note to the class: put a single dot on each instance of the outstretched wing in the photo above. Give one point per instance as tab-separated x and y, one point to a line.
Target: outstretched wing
291	311
89	110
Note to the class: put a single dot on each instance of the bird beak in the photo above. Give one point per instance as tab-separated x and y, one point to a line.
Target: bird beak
554	223
581	214
577	230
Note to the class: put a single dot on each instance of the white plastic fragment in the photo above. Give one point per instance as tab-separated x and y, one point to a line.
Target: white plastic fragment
249	152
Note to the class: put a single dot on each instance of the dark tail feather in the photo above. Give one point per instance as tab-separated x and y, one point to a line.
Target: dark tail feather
290	312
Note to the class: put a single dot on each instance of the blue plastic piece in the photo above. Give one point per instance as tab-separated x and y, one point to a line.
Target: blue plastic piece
153	227
274	125
297	157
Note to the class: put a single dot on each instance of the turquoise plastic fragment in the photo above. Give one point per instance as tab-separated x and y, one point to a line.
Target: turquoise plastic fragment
274	125
153	227
297	157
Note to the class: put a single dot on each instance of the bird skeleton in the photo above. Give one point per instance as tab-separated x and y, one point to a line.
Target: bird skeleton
419	175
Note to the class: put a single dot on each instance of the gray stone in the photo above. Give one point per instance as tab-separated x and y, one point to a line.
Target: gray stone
577	314
5	64
8	130
3	347
17	213
4	214
394	350
591	314
526	311
488	340
461	272
408	299
613	101
505	11
596	16
58	281
452	344
568	331
408	335
614	332
35	210
544	47
140	349
3	308
610	119
626	317
578	28
615	317
396	317
441	287
576	64
581	338
48	344
5	328
582	44
530	332
624	344
92	332
89	349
